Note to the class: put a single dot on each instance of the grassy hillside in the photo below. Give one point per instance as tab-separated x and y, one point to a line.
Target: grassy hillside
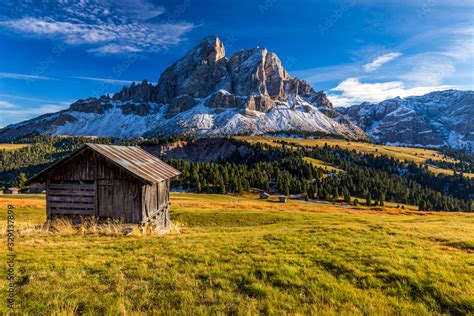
321	164
418	155
12	146
241	255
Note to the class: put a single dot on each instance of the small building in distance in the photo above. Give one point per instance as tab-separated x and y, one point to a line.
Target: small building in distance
37	188
106	181
11	191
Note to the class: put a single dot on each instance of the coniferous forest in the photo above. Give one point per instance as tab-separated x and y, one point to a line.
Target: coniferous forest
278	170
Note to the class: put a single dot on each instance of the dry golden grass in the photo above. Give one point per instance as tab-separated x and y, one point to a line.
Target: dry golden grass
241	255
34	201
418	155
321	164
13	146
251	203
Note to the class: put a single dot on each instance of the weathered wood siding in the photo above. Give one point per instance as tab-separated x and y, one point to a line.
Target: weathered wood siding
149	201
117	193
155	199
72	198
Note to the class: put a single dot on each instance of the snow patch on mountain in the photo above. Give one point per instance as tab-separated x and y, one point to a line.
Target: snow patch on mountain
440	118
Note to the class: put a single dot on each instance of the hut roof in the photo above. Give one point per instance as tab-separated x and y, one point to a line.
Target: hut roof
136	161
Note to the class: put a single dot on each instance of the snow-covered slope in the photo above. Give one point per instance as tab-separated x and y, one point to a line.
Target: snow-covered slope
203	93
441	118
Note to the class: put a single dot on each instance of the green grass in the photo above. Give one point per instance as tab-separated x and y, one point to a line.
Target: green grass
241	255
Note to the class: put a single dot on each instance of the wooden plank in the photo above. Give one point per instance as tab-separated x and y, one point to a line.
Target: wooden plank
60	211
89	199
72	205
48	209
71	190
68	193
96	200
89	186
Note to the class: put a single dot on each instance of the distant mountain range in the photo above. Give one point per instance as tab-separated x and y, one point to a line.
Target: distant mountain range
441	118
207	94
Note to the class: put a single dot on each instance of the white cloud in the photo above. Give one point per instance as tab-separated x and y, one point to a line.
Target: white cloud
353	91
6	104
107	80
448	65
22	76
379	61
19	97
17	113
427	69
107	27
115	49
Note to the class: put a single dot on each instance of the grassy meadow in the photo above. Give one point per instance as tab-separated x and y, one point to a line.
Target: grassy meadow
9	147
241	255
418	155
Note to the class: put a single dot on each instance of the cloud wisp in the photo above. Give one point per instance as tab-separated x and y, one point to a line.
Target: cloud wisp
109	81
10	75
6	104
10	112
400	75
379	61
105	27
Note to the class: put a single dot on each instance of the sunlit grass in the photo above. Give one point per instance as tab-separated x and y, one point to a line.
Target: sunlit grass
418	155
321	164
242	255
13	146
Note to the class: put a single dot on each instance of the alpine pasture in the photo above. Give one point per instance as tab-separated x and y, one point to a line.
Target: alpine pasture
242	255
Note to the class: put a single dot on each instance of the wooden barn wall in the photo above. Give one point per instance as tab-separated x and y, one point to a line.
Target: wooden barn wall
163	193
155	198
119	199
149	200
118	193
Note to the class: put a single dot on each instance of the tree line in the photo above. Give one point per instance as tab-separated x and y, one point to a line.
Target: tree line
283	171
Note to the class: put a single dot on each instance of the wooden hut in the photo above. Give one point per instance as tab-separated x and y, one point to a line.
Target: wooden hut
106	181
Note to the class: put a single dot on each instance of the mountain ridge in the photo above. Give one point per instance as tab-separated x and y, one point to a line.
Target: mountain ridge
436	119
203	93
207	94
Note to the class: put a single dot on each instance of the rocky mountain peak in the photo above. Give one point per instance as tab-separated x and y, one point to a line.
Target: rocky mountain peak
142	92
202	93
198	74
210	49
204	71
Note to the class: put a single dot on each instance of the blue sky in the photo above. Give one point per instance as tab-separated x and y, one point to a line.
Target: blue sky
55	52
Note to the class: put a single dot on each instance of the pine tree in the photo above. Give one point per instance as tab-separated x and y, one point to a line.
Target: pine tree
222	185
422	205
381	199
20	181
368	201
347	196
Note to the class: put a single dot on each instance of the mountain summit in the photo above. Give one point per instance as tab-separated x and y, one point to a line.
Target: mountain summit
203	93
